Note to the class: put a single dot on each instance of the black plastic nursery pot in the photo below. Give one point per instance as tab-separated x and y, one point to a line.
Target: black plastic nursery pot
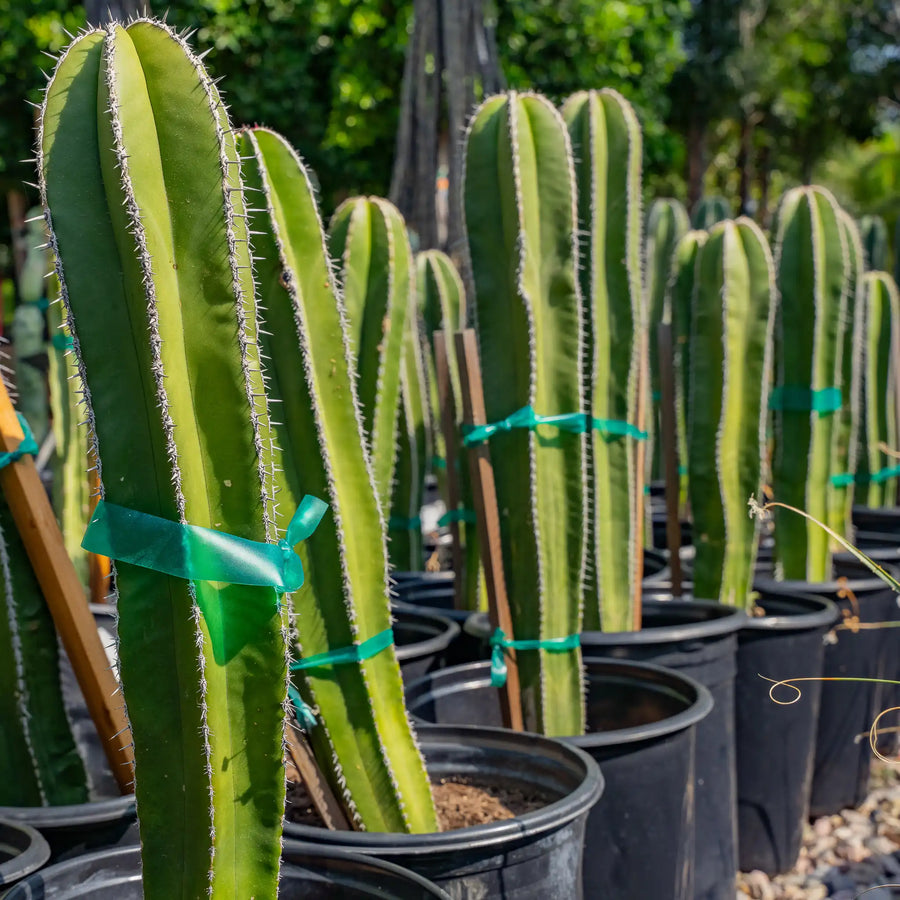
534	856
22	851
642	726
698	639
883	520
422	640
308	873
776	743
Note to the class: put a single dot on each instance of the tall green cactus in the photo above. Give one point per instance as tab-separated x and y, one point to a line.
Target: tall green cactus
39	762
709	211
606	141
730	370
667	223
141	184
845	433
363	737
812	264
519	202
874	234
882	321
368	240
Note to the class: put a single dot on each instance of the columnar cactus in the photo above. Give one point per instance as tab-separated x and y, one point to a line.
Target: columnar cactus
709	211
362	736
519	198
368	240
812	264
606	141
879	427
874	234
140	180
39	762
728	384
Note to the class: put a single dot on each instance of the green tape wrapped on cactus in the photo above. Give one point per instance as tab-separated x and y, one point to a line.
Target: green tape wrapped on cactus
368	241
874	234
363	739
606	142
39	762
845	433
140	180
709	211
732	321
521	228
812	263
879	427
667	223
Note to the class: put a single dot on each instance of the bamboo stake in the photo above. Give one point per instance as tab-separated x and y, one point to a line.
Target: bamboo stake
670	452
37	526
488	517
320	793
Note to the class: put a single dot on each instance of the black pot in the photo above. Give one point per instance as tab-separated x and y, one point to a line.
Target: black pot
422	640
640	838
658	523
308	873
883	520
22	851
699	639
534	856
776	744
656	567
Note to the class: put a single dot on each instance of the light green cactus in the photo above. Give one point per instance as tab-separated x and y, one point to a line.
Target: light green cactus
667	223
519	199
606	141
709	211
812	265
363	738
732	320
368	241
140	180
874	234
39	762
879	427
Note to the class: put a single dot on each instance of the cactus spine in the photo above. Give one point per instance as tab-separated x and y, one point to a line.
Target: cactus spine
812	274
135	141
874	234
606	141
882	320
368	238
709	211
520	220
730	370
363	736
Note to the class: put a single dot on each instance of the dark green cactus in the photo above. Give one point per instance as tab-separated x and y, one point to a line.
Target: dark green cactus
140	180
730	371
363	738
521	228
606	141
874	234
709	211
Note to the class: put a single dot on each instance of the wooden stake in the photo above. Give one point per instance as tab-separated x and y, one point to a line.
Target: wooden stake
488	517
36	524
323	799
451	436
669	449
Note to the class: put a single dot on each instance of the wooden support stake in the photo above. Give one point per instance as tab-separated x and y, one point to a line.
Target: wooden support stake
669	449
36	524
488	517
320	793
451	436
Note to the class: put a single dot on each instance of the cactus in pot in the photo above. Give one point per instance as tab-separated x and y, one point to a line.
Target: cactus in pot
519	200
732	318
812	273
140	180
606	142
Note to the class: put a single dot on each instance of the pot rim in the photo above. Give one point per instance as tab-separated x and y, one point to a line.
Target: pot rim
35	854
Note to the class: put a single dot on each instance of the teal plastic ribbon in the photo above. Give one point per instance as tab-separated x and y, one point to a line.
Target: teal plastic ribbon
882	475
457	515
355	653
202	554
62	341
398	523
526	417
439	462
793	398
28	446
500	643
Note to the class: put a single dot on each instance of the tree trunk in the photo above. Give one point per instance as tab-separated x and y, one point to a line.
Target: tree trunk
696	139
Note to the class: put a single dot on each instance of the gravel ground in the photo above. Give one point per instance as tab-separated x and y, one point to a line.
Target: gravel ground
844	855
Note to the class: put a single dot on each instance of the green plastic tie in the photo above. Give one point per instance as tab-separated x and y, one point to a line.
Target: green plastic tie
28	447
457	515
355	653
398	523
439	462
500	643
862	478
526	417
62	341
202	554
795	398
